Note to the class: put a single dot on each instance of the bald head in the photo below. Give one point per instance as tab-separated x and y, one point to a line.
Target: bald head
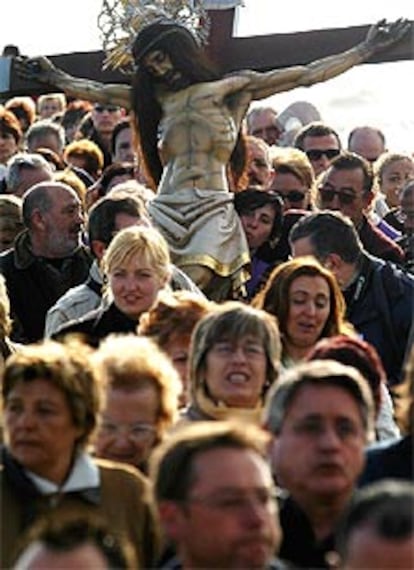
41	196
52	212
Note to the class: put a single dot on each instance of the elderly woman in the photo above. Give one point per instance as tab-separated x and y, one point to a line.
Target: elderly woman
142	389
308	304
137	266
234	359
170	323
51	402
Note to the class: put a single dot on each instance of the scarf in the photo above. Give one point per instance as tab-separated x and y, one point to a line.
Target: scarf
220	411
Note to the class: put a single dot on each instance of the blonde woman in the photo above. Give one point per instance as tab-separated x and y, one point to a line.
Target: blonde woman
136	266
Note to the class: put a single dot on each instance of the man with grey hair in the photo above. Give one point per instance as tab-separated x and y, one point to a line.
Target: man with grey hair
26	169
262	123
379	296
47	258
46	134
320	417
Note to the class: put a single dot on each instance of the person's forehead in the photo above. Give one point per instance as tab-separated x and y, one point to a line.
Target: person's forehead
263	119
153	55
311	399
38	556
342	176
124	134
62	197
228	467
320	142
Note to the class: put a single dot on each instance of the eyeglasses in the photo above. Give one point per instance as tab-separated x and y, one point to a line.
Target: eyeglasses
291	195
109	108
235	502
226	349
317	154
135	432
328	194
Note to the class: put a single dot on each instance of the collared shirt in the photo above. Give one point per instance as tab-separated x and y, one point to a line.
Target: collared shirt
84	475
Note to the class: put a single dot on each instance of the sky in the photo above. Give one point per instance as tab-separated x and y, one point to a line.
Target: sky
374	94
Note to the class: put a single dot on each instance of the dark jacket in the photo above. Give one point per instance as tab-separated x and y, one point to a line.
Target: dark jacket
380	304
35	283
299	545
98	324
389	460
377	243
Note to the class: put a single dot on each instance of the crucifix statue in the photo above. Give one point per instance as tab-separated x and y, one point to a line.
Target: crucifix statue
188	119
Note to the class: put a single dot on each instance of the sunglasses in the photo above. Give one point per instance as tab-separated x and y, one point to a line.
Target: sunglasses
317	154
327	195
109	108
292	195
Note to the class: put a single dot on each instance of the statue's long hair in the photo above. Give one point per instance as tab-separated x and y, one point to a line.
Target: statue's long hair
193	64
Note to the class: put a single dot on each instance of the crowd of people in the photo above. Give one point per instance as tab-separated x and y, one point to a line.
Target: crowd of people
199	379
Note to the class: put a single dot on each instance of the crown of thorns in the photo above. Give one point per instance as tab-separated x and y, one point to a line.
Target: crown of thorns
120	21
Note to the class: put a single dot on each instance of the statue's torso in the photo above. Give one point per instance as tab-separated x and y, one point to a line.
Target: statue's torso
196	137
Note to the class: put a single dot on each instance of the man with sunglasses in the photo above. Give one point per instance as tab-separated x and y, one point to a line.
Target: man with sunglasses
104	118
346	186
320	142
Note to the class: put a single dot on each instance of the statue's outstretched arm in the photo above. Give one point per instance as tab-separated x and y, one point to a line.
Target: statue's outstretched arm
42	69
379	37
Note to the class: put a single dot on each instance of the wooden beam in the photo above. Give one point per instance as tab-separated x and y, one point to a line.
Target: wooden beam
230	54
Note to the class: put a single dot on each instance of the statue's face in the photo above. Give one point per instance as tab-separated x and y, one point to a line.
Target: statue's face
159	65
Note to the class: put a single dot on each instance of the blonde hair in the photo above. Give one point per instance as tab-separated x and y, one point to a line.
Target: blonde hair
138	241
294	161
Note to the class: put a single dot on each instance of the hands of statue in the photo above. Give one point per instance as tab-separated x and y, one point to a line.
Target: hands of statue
35	68
384	34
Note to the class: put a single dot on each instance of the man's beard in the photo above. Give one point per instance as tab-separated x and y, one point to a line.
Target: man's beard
174	81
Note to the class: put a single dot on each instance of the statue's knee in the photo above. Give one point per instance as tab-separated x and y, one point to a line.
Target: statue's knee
200	275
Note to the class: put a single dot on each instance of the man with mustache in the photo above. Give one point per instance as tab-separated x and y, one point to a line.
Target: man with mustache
320	418
47	258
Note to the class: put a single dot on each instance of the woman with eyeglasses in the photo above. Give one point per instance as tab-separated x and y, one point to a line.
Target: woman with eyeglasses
51	397
308	304
142	388
294	179
234	359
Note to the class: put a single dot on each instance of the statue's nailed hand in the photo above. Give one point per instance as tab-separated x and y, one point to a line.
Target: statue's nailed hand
384	34
35	68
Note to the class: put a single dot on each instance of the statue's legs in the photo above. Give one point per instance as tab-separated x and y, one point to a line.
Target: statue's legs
213	286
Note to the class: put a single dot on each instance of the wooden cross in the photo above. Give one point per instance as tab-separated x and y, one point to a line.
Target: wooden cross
257	52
